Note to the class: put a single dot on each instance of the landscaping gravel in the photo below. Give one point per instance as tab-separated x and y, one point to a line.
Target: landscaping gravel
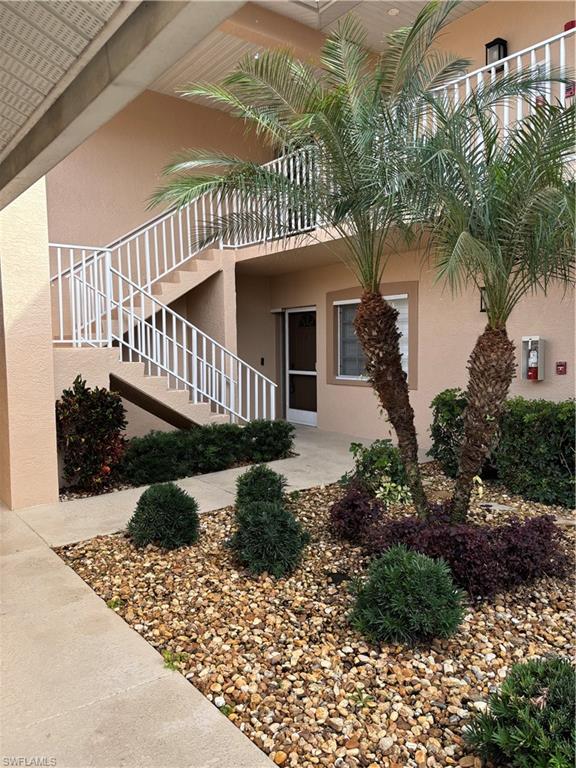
280	660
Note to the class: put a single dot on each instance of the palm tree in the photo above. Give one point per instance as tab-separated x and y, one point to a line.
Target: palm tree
353	115
503	222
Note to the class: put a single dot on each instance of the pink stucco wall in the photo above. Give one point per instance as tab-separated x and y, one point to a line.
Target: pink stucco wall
447	328
101	190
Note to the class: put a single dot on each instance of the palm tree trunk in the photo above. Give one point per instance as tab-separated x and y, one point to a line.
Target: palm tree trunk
378	333
491	369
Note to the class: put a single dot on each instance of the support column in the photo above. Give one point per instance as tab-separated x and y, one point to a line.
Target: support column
28	456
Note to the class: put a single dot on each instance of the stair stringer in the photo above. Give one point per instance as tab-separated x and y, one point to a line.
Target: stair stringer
103	368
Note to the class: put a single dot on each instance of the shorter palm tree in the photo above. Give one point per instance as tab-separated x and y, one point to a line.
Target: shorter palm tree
351	118
502	221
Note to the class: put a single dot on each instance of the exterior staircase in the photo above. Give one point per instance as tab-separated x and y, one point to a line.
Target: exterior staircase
189	276
116	299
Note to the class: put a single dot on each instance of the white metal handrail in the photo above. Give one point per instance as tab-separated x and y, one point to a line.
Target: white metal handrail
163	243
110	310
540	58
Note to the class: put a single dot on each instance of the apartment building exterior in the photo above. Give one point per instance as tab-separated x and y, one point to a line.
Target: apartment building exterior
261	327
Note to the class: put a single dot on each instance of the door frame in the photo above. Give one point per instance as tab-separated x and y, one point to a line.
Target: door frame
309	418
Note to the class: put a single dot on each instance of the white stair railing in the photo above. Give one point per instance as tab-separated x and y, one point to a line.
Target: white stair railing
556	52
110	310
162	244
90	284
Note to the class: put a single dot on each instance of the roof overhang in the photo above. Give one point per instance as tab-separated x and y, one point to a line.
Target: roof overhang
132	48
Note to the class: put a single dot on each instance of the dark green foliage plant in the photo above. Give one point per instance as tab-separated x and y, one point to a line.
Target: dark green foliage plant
259	483
267	440
447	428
375	463
166	516
406	598
159	457
90	424
268	538
530	720
535	450
156	458
214	447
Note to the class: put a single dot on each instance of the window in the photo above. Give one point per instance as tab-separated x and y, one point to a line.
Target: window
351	363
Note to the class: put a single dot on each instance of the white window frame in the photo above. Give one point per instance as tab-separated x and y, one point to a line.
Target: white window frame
346	302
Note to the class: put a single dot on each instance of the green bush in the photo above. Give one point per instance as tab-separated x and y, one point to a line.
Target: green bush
268	538
407	597
156	458
534	453
259	483
162	456
214	447
90	425
378	470
530	720
447	428
267	440
165	515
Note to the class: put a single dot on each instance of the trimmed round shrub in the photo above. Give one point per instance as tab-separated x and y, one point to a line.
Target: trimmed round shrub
407	598
259	483
267	440
530	720
353	514
165	515
268	538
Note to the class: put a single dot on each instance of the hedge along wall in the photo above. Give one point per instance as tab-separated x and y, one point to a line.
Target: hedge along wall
534	452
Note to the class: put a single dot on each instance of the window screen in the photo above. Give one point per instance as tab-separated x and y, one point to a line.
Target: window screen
351	363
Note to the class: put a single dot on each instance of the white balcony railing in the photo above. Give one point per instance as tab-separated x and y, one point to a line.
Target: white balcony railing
93	288
555	53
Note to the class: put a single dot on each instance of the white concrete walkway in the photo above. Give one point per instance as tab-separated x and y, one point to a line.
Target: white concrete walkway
79	687
322	458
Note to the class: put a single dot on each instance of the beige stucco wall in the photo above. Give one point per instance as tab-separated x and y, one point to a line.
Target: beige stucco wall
95	366
520	22
211	306
447	329
256	323
28	464
100	191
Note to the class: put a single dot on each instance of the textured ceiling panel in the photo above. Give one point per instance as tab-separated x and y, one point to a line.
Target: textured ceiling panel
374	14
209	61
218	53
39	43
378	22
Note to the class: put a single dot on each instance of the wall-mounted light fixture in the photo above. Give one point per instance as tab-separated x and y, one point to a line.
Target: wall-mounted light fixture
482	299
495	50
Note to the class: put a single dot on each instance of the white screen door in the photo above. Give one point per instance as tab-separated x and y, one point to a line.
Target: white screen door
301	396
